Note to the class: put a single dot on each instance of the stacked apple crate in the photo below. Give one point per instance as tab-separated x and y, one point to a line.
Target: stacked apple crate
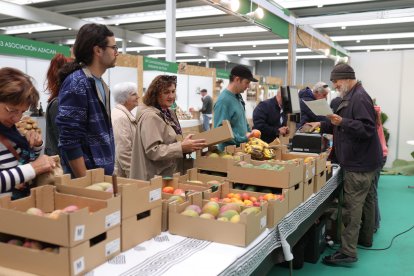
58	234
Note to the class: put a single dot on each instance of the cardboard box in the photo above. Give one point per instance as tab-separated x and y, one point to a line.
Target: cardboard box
295	196
71	261
137	196
199	182
320	159
94	217
141	227
320	181
309	166
217	164
291	175
308	187
165	210
216	135
239	234
276	209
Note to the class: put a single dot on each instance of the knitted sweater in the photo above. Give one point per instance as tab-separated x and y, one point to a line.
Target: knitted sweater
84	124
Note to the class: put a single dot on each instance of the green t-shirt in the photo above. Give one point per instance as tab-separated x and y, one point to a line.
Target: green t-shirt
229	107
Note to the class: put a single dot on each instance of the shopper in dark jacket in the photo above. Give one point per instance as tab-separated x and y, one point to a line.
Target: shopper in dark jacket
320	91
358	150
269	119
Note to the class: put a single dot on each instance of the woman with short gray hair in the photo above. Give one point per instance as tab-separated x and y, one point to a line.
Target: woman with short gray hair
124	125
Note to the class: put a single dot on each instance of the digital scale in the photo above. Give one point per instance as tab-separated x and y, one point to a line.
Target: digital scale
309	143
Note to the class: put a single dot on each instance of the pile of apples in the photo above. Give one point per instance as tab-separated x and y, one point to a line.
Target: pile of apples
172	191
53	215
102	186
34	245
229	212
246	200
225	155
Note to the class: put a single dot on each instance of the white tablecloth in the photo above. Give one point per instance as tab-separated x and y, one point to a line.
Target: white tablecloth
169	254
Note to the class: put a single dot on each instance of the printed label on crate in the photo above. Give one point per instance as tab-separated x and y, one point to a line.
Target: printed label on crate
313	170
307	174
112	247
263	222
113	219
155	195
79	265
79	232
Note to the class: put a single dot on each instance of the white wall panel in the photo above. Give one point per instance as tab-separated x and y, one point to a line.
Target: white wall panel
37	68
15	62
406	125
380	73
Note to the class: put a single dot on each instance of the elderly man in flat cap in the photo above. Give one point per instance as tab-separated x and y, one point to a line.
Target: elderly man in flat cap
358	151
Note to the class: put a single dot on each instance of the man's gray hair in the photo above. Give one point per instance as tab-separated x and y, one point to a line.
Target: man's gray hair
123	90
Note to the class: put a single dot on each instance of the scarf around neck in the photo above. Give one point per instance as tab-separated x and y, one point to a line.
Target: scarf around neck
27	154
167	116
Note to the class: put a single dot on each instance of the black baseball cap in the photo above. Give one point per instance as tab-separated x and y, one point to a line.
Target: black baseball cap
242	72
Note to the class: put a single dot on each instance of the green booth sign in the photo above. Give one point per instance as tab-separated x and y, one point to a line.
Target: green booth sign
11	45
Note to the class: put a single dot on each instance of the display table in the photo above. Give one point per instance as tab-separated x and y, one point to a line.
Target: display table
169	254
175	255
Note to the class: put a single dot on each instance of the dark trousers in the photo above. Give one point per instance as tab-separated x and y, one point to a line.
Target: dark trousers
358	199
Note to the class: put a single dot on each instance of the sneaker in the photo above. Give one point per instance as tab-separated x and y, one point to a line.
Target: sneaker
339	258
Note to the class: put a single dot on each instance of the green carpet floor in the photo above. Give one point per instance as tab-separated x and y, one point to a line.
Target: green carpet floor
397	211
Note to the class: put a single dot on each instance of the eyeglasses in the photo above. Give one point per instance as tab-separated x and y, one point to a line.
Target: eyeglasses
13	112
114	47
169	78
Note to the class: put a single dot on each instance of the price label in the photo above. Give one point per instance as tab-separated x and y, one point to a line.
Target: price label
112	247
263	222
113	219
79	265
79	232
313	171
155	195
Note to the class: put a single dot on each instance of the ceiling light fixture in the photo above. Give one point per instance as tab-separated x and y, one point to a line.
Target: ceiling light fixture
31	28
286	57
266	51
360	19
343	27
256	14
372	36
233	5
242	43
380	47
215	31
289	4
149	16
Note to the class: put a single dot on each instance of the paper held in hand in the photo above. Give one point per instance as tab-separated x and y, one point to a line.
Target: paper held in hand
319	107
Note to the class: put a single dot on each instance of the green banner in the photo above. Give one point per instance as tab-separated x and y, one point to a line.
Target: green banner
11	45
153	64
222	74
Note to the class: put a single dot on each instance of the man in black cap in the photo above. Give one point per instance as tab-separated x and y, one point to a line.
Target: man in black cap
358	151
230	106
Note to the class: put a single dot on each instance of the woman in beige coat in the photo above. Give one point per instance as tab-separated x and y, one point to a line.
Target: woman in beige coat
124	125
156	150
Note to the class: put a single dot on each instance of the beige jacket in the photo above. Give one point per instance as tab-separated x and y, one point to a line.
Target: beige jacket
124	126
156	150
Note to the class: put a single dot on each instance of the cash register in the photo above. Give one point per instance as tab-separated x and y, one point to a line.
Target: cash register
305	140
